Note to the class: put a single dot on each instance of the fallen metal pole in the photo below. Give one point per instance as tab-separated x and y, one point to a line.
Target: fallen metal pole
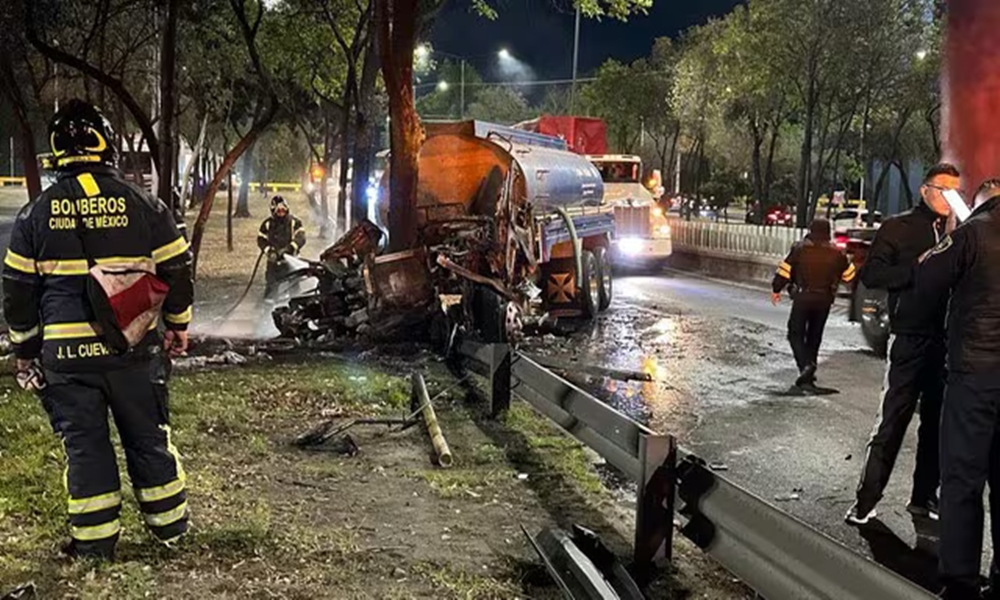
433	429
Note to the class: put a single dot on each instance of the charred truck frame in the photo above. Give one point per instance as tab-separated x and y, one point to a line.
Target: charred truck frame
510	222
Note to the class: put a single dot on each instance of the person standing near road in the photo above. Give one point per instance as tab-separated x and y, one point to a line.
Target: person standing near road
92	266
915	370
280	235
813	270
963	269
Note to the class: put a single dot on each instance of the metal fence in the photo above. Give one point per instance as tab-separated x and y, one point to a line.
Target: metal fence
733	239
771	551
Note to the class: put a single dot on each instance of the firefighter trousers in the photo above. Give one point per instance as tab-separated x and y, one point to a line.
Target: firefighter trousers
970	457
805	330
914	378
136	395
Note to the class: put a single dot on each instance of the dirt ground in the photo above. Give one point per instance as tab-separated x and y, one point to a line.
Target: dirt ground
270	520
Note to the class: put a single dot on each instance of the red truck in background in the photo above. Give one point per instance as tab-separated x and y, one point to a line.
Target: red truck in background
583	135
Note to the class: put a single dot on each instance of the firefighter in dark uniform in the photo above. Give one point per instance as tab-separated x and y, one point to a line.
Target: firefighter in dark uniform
53	330
280	235
813	270
915	369
964	269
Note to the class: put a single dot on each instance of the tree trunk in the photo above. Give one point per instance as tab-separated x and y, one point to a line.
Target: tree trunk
805	158
231	157
881	182
229	211
364	137
905	179
28	150
397	24
345	160
757	160
246	171
167	169
769	168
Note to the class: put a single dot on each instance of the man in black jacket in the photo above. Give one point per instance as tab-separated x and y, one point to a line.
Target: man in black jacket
966	266
813	269
916	362
280	235
52	323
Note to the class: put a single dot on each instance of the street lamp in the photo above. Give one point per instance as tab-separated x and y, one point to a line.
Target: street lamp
504	54
423	52
442	86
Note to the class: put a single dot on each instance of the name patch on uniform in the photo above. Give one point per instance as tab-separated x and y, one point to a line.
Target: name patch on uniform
97	213
941	247
85	350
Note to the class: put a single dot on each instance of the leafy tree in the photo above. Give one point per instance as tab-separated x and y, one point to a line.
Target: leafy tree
500	104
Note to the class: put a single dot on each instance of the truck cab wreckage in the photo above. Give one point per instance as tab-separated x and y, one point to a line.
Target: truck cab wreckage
513	229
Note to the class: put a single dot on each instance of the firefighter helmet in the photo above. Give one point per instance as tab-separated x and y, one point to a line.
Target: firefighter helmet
276	202
80	134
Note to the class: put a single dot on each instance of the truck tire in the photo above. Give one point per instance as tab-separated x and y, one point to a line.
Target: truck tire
873	306
590	285
606	277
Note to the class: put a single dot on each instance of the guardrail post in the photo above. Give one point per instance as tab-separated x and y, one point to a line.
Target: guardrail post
499	379
654	523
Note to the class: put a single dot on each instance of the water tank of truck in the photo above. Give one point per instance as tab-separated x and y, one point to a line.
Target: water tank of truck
463	166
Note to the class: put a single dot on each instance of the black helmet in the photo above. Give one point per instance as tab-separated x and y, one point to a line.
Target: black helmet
80	134
276	202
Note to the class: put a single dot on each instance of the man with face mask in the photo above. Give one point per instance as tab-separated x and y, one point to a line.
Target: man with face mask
915	370
280	235
961	273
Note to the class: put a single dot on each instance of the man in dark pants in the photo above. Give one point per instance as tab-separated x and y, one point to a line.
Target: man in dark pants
814	268
93	214
916	361
280	234
966	264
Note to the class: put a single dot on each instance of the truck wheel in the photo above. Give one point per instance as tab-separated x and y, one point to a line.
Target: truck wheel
874	307
606	276
590	286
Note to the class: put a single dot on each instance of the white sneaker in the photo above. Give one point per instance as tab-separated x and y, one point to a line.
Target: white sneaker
853	518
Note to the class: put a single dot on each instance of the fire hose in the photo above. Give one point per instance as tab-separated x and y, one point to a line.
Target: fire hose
253	276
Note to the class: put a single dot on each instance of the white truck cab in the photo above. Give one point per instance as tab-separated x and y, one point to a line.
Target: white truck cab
641	229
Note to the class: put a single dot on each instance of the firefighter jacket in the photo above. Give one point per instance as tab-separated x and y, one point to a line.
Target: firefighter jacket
814	269
966	266
285	235
46	268
891	259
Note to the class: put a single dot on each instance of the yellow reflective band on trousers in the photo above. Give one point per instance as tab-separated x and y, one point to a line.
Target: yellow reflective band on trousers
179	318
160	492
90	187
849	274
19	263
19	337
171	250
168	517
96	532
81	506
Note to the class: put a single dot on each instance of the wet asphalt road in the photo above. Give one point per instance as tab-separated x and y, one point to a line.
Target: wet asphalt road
722	371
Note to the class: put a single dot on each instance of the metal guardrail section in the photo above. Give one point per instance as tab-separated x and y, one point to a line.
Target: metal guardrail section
734	238
771	551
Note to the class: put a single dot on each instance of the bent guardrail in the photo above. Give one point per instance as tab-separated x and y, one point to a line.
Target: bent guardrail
776	554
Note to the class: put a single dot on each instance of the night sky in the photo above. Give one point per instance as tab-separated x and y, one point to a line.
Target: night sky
540	33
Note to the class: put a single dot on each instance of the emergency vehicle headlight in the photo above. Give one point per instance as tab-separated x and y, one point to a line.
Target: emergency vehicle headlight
664	230
657	212
630	246
309	188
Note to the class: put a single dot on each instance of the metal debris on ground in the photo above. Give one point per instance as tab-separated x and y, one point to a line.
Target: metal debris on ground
21	592
421	397
718	466
582	566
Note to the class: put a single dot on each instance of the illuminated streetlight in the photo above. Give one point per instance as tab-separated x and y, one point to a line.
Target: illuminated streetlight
422	52
921	54
442	86
504	54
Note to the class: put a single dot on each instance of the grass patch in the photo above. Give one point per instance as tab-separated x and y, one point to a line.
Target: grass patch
549	450
458	481
454	583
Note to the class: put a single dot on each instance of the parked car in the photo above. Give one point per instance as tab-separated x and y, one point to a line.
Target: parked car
855	218
779	216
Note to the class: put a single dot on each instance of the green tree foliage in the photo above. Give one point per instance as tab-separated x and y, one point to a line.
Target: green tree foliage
500	104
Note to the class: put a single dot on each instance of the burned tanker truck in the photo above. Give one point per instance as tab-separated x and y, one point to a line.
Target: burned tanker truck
513	230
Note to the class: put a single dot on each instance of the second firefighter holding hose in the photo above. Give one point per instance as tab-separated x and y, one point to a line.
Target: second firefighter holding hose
282	234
